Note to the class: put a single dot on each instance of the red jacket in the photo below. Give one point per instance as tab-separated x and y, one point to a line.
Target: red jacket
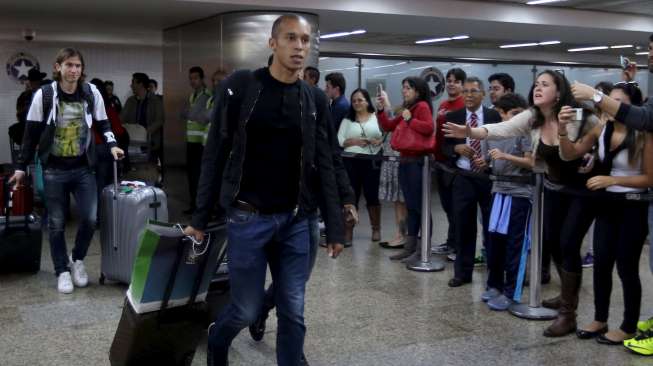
421	121
116	125
445	107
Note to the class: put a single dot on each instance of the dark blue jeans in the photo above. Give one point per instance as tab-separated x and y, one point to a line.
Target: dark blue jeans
314	237
504	251
248	234
58	184
410	180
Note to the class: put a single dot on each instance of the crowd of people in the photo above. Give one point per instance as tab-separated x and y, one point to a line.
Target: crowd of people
272	150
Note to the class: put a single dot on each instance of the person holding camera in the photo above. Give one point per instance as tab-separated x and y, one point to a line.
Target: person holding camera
417	115
550	92
625	165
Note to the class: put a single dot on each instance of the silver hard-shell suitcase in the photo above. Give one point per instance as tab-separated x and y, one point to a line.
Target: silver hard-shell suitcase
124	215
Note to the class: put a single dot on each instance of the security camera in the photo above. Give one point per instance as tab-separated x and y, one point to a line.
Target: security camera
29	35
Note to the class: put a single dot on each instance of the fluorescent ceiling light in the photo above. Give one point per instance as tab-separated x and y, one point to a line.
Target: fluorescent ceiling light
442	39
324	58
622	46
538	2
567	63
434	40
531	44
384	66
588	49
518	45
342	34
546	43
641	53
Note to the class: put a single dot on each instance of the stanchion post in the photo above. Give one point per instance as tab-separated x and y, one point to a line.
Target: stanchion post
426	263
534	310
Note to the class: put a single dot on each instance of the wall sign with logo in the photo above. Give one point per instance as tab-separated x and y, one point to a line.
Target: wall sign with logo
434	77
19	65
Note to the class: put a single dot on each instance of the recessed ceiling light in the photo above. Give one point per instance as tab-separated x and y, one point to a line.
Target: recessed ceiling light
588	49
342	34
442	39
538	2
622	46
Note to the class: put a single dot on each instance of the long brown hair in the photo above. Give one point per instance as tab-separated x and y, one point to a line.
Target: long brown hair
63	55
564	92
635	140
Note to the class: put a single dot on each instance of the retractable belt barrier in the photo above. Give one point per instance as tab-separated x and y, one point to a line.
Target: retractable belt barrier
427	263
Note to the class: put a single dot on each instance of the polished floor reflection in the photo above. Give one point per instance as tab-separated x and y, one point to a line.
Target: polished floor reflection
361	309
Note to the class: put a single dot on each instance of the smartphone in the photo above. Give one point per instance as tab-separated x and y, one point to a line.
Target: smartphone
624	62
579	114
379	89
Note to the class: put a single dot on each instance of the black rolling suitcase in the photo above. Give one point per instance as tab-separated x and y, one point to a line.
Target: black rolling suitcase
168	336
20	239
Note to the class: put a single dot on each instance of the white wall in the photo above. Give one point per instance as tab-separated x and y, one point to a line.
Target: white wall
104	61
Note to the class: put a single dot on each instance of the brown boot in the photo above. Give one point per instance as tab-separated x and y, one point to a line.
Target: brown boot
566	321
375	221
556	302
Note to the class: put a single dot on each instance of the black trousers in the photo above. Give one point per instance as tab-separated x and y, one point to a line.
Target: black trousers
410	179
565	222
467	193
194	153
364	176
619	233
504	250
445	190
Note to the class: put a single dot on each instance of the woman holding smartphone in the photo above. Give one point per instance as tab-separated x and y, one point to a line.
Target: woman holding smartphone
548	94
417	114
626	166
359	133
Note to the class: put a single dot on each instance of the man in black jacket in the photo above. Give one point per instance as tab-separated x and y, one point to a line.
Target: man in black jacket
267	148
468	156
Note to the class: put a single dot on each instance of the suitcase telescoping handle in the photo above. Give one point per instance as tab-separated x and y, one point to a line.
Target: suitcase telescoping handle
6	191
114	206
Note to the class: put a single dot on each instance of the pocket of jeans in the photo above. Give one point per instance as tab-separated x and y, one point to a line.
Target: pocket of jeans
236	216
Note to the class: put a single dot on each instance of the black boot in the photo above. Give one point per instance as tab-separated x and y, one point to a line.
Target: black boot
409	249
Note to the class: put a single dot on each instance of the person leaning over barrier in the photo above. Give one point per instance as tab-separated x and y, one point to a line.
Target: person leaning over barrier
625	165
548	94
267	146
59	121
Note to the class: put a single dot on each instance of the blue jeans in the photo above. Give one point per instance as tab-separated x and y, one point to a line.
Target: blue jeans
314	237
58	184
249	233
504	251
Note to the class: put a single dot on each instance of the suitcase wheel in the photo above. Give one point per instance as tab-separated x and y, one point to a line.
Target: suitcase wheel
102	278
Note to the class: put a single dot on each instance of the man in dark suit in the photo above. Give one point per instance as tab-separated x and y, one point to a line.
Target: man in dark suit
469	157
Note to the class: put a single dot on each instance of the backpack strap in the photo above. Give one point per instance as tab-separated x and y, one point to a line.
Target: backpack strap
47	92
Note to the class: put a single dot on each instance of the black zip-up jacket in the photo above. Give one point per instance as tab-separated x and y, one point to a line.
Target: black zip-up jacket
224	154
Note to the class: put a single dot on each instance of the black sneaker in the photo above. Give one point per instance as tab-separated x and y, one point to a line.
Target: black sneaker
257	330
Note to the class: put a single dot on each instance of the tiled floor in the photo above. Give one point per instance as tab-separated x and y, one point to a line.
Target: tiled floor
361	309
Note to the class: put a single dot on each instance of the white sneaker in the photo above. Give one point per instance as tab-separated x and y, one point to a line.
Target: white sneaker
80	277
64	283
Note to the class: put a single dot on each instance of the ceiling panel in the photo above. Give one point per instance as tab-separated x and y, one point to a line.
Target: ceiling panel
639	7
